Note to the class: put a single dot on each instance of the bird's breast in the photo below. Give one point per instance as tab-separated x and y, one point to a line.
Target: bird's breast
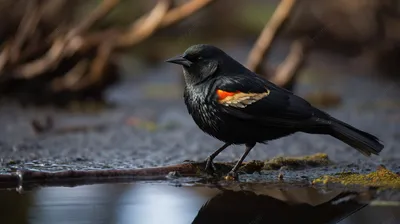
203	111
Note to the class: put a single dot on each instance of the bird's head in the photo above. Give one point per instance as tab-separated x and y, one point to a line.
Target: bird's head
201	61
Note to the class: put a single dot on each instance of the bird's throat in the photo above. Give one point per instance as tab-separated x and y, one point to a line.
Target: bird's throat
190	79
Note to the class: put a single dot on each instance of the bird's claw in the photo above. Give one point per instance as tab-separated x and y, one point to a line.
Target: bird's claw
232	176
210	167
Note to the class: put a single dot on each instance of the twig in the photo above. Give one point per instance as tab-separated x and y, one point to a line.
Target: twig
4	56
264	41
102	10
185	169
26	28
179	13
48	61
96	68
106	43
158	18
27	176
72	77
143	28
285	73
64	46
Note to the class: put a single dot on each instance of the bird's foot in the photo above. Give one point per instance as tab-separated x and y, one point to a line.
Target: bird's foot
232	176
210	167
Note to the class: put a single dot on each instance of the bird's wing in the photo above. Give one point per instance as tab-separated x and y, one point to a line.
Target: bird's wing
253	98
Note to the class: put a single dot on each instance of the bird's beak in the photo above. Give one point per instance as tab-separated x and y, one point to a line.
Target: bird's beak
180	61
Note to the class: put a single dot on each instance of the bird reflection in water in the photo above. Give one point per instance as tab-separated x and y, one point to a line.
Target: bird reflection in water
160	203
299	205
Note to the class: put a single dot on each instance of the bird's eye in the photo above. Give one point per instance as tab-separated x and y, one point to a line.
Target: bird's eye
200	58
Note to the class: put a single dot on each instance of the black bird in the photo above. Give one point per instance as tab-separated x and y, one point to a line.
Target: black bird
237	106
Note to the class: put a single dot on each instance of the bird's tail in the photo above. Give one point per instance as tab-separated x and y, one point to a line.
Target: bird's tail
364	142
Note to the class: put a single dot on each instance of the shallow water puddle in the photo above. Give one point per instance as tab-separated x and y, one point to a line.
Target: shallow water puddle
163	203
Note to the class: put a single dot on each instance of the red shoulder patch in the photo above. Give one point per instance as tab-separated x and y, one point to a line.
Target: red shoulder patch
224	94
239	99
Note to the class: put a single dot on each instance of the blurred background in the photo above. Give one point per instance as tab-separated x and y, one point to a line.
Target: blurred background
59	51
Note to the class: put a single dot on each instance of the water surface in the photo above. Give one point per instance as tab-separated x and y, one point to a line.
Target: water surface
164	203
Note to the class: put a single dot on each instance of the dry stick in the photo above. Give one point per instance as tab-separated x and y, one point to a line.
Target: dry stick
54	55
183	11
67	45
187	169
141	29
26	28
264	41
4	56
96	68
48	61
72	77
287	69
169	18
144	27
100	12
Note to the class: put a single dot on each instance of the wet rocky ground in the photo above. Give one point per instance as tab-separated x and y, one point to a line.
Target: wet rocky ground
148	125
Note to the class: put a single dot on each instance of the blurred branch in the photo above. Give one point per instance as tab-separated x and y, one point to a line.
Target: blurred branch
38	66
26	28
65	45
160	17
4	55
179	13
100	12
79	42
286	71
264	41
145	26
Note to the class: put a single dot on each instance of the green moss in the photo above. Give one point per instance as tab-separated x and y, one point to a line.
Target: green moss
382	177
319	159
276	163
252	166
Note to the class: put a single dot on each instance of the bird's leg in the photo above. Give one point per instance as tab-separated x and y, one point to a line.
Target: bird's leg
209	161
233	172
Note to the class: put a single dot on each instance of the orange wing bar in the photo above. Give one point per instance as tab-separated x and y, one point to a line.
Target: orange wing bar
223	94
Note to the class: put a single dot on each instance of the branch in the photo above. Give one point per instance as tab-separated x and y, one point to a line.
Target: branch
101	11
39	66
64	46
141	29
179	13
4	56
186	169
22	177
158	18
264	41
105	42
26	28
145	26
96	68
285	73
72	77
